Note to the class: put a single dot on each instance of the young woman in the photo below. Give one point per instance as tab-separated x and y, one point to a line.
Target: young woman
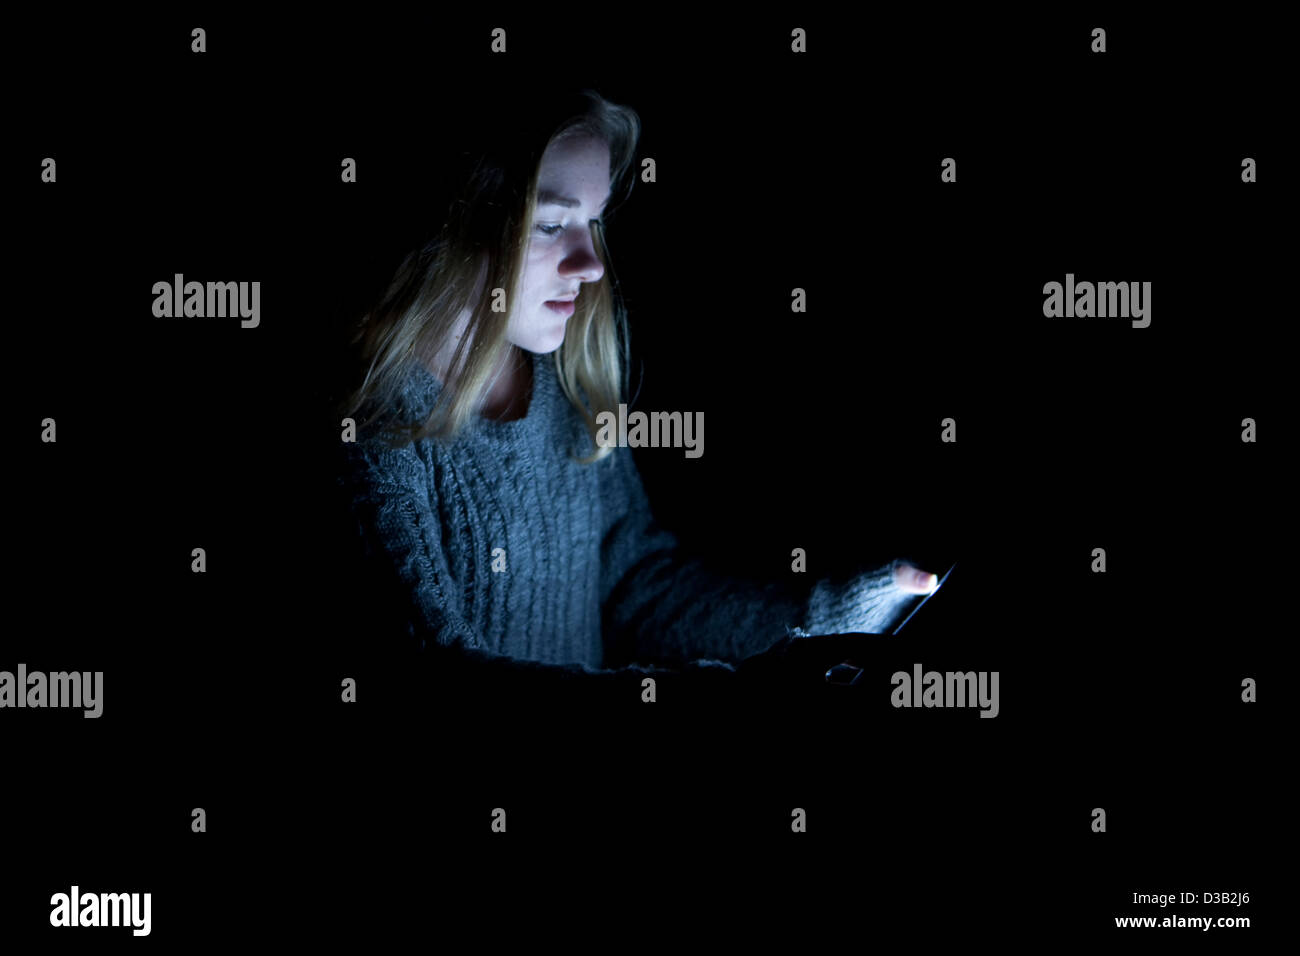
477	477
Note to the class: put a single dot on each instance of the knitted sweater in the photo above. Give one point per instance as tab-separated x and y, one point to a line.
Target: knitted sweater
584	580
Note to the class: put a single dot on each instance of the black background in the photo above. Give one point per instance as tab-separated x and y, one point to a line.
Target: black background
775	171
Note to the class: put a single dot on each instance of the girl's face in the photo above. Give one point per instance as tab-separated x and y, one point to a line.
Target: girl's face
572	189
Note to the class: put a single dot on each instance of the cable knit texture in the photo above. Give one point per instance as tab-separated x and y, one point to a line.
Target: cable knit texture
590	581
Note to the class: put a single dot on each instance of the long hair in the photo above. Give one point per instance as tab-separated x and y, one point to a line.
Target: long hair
482	246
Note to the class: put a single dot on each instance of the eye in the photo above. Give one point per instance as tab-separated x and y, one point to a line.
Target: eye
556	229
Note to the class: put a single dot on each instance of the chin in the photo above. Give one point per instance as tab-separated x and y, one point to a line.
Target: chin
544	345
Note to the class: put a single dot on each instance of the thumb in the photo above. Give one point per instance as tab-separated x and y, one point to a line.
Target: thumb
913	580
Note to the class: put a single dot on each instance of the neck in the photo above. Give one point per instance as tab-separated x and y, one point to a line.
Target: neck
507	399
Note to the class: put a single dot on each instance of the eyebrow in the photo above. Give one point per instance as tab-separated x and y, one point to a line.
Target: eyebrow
547	198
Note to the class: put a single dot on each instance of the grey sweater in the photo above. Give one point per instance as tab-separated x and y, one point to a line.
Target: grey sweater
502	547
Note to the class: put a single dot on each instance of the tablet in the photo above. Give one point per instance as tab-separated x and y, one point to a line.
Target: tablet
936	590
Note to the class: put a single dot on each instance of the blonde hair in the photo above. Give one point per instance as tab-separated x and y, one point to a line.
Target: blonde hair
482	245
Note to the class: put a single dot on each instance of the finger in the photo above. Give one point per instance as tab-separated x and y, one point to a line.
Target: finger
914	580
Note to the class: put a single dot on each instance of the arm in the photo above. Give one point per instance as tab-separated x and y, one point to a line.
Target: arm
660	605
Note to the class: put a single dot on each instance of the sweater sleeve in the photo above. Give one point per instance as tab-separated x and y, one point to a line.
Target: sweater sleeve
391	499
661	605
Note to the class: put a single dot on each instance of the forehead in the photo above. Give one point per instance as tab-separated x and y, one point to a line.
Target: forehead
576	165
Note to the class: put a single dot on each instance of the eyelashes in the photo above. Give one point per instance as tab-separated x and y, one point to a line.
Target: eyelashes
555	230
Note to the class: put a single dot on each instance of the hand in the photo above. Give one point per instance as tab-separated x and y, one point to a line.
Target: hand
915	581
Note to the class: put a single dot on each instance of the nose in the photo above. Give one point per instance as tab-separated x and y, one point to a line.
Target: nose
580	260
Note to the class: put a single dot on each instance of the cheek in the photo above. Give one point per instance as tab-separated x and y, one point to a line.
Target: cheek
538	269
534	266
